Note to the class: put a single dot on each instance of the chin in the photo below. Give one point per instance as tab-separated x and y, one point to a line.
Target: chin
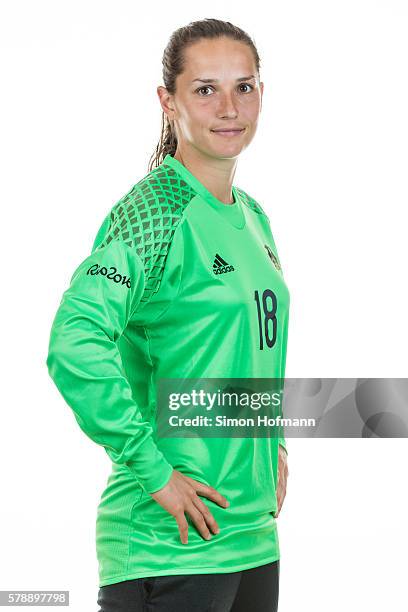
228	150
222	151
230	153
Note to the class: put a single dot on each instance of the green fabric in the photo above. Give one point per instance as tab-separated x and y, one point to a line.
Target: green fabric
146	305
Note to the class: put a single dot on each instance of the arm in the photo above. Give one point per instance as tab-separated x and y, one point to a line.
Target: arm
85	363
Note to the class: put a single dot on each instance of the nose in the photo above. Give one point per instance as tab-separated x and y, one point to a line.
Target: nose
226	107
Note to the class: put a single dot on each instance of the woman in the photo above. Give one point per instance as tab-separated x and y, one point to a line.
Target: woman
183	282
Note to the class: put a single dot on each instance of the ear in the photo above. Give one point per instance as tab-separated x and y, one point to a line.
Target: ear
166	101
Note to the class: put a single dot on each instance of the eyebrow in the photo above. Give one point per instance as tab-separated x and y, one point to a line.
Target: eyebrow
247	78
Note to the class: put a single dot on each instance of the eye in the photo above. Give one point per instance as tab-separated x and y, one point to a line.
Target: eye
246	85
203	87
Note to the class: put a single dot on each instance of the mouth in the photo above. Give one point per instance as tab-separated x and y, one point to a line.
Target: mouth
228	133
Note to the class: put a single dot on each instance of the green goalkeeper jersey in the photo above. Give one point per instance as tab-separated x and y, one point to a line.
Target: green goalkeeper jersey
173	288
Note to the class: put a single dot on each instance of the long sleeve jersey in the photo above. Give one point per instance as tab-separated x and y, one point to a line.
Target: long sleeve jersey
177	285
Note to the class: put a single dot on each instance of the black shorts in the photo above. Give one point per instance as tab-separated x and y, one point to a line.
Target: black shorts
254	590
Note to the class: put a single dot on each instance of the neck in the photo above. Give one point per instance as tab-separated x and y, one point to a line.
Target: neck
216	175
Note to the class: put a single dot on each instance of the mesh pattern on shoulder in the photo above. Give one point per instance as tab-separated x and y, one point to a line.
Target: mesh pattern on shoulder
146	218
250	202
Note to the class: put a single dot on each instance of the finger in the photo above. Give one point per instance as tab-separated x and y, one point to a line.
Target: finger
211	493
208	517
182	527
199	521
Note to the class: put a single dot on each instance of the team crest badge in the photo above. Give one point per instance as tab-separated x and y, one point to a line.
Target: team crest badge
272	256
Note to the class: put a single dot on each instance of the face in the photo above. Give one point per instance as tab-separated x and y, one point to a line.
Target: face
219	89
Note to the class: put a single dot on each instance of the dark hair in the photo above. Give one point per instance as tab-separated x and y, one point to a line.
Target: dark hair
173	64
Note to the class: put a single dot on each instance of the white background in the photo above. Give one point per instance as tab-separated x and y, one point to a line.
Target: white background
79	120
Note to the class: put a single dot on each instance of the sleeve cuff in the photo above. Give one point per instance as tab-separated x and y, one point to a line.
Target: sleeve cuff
282	443
151	469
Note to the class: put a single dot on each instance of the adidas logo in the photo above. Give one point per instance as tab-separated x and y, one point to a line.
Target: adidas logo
220	266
